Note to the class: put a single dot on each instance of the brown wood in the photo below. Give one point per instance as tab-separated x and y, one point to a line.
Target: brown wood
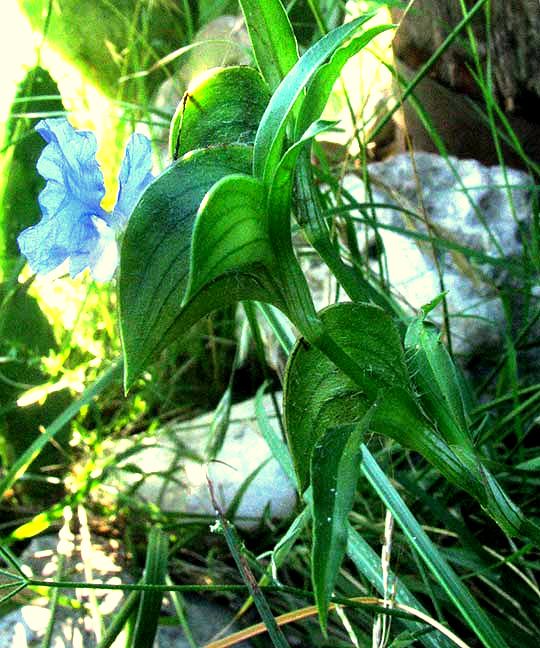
513	43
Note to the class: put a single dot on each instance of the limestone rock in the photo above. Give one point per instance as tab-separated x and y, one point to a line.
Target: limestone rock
466	204
76	626
168	469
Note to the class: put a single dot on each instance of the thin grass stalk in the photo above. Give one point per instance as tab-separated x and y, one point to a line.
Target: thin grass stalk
478	621
430	63
276	635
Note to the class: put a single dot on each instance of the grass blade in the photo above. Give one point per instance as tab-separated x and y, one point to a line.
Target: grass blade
155	572
445	576
272	38
22	463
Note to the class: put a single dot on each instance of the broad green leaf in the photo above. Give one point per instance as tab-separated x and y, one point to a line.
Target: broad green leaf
272	38
271	133
156	250
436	378
440	393
20	183
233	243
230	237
320	87
155	572
335	467
225	108
318	396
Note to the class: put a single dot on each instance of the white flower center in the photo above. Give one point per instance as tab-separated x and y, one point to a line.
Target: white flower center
104	258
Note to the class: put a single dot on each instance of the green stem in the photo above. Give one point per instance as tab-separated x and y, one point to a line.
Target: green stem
316	231
310	218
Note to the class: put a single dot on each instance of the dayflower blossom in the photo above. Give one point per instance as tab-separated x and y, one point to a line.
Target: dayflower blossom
73	223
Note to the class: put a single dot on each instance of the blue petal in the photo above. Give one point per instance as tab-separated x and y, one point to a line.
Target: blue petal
104	257
69	201
135	175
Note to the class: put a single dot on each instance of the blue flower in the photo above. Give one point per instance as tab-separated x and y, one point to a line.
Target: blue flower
73	223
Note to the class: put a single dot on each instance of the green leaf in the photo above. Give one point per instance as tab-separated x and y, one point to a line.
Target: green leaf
288	539
220	422
319	89
225	108
38	524
277	446
156	250
318	396
271	133
280	197
301	308
230	237
155	572
23	325
440	393
280	326
437	382
272	38
21	148
233	242
399	417
335	467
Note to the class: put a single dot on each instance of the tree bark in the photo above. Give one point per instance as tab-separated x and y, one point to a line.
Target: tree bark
507	33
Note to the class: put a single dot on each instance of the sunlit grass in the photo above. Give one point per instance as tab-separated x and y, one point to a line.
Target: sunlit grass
365	84
81	313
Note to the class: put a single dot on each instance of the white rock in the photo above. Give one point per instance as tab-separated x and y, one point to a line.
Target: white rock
75	627
169	469
480	218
